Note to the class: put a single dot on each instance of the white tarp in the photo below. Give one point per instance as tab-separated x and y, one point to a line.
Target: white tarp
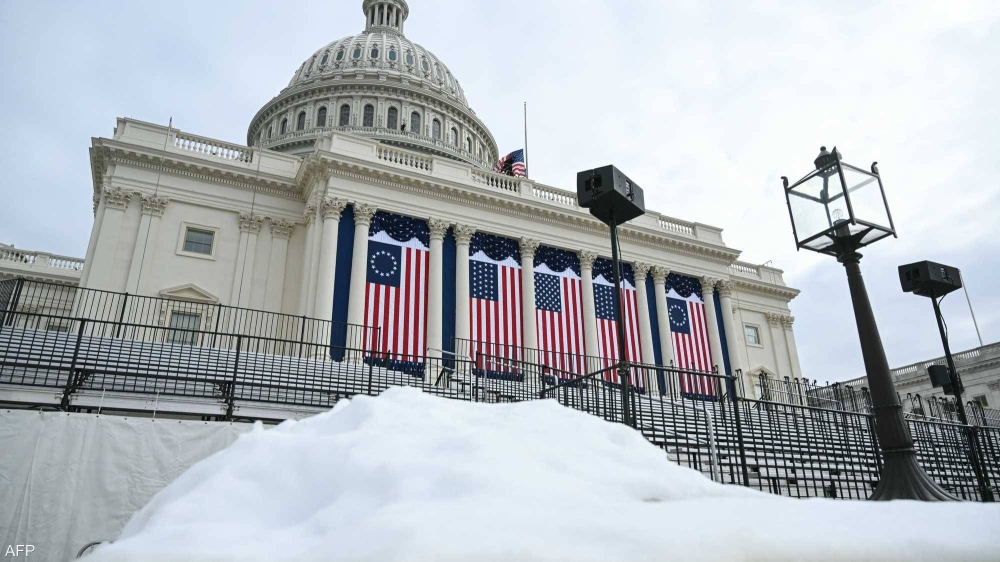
68	479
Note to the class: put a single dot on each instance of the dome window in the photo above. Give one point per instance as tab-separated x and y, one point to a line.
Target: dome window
269	129
321	117
340	55
284	126
392	55
357	52
424	65
392	119
345	115
409	59
453	137
300	123
468	145
415	122
326	57
369	117
436	129
374	52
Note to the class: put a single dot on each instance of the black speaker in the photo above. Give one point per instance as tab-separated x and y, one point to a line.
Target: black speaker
940	377
929	279
609	194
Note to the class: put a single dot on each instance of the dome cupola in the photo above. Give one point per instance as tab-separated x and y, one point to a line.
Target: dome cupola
377	84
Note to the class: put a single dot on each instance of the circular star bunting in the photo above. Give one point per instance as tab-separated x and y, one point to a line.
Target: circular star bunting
384	264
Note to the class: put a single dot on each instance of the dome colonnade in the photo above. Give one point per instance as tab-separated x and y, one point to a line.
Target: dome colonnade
380	85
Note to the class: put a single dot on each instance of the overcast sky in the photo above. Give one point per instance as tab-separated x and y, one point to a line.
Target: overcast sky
705	104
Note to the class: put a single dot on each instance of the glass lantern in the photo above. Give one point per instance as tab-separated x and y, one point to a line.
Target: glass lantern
838	206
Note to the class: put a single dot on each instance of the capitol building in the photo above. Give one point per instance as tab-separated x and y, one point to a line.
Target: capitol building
364	196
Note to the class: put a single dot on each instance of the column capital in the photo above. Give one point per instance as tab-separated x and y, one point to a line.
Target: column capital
773	318
708	286
280	228
660	274
309	214
641	271
528	247
787	320
332	207
154	206
726	288
363	214
116	198
587	259
463	233
438	228
250	223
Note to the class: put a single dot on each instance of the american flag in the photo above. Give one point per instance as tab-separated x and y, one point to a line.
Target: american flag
559	310
607	333
689	334
495	303
512	164
396	290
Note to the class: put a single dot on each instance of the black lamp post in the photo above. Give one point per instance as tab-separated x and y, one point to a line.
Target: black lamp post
837	209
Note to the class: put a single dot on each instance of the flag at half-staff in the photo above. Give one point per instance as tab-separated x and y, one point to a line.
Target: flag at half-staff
512	165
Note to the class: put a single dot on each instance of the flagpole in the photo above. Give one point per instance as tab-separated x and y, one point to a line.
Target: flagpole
526	140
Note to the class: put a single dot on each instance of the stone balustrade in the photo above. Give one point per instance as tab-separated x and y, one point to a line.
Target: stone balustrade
747	269
558	196
676	226
209	147
496	181
39	265
404	158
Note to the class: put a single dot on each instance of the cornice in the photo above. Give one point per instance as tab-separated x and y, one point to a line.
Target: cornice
765	289
104	152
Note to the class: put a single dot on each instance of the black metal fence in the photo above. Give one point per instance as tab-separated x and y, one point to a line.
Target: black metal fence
83	350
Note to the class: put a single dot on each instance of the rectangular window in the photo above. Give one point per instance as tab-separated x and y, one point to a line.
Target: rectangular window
982	400
198	241
180	322
753	335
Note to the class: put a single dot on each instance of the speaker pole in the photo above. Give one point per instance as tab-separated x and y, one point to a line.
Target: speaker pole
623	366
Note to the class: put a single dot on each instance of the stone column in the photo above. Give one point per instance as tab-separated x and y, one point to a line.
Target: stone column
275	286
243	275
529	324
645	327
732	336
356	336
146	237
777	341
314	258
331	209
309	216
95	232
663	315
793	350
463	236
589	311
708	295
435	288
101	270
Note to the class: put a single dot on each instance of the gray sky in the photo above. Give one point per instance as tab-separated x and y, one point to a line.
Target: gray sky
705	104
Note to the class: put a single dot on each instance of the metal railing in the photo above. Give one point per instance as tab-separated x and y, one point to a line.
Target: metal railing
84	354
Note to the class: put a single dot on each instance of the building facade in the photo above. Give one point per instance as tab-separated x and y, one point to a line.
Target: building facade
365	196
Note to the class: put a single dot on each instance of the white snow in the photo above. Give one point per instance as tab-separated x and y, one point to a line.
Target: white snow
406	476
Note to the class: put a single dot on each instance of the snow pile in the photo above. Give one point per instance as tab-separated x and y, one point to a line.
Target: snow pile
407	476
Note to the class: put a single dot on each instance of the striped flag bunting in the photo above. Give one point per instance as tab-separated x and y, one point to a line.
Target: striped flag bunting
495	305
607	333
689	335
559	311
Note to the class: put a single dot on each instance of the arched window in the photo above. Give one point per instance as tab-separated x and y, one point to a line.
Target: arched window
326	57
409	59
357	52
321	117
284	126
424	65
374	53
436	129
415	123
269	128
369	116
340	55
468	145
300	123
345	115
392	120
453	137
392	54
